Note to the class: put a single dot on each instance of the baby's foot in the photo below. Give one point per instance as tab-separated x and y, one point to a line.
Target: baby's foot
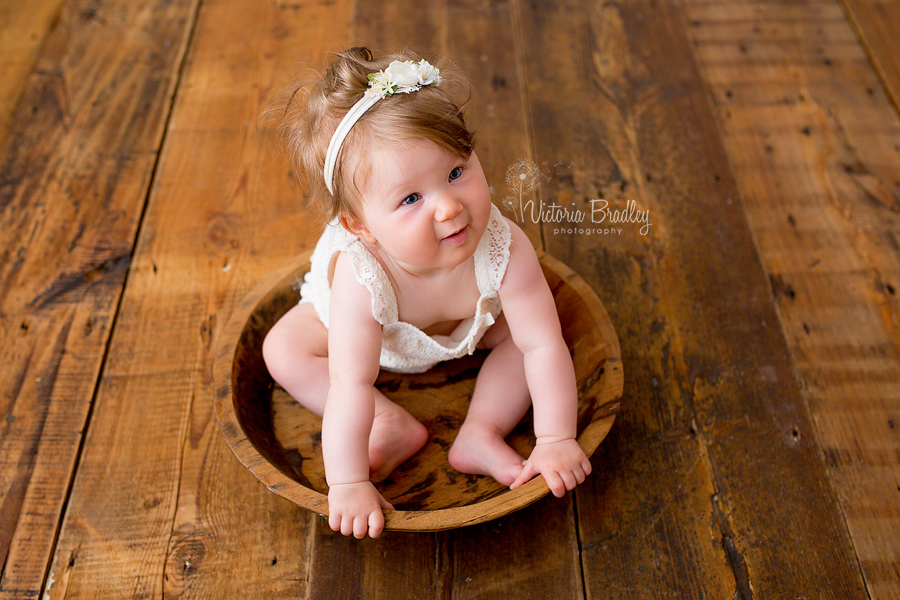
480	451
395	437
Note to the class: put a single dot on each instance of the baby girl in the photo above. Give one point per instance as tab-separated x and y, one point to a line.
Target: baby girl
414	269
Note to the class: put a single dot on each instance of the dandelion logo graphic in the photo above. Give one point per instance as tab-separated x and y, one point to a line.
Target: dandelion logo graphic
522	178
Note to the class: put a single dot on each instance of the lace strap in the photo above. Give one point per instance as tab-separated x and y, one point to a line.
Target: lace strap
492	254
371	274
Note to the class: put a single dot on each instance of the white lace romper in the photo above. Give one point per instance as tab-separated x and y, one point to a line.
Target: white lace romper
406	348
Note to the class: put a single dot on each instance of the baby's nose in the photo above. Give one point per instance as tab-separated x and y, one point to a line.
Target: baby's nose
447	208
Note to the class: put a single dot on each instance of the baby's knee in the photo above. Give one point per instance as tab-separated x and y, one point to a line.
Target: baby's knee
275	350
297	334
283	347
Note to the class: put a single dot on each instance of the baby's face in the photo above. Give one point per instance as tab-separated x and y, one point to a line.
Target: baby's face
425	207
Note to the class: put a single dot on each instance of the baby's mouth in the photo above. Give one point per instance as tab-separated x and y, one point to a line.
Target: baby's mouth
458	238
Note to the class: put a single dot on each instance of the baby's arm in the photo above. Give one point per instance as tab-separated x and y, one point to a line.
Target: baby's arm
354	346
534	325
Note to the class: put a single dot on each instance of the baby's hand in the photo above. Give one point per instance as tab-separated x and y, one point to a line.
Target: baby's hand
355	508
562	463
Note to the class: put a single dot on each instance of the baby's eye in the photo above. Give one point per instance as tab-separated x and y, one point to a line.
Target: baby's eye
456	173
411	199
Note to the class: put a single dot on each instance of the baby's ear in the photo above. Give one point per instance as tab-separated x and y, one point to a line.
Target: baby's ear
357	228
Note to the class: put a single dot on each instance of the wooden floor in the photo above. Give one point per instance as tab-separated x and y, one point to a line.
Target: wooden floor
757	454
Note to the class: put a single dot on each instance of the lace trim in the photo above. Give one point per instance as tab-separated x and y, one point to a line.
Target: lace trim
370	273
492	255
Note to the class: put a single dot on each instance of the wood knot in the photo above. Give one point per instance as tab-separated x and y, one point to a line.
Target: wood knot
187	556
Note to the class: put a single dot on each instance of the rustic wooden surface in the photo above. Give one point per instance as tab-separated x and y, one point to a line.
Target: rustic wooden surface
23	30
141	197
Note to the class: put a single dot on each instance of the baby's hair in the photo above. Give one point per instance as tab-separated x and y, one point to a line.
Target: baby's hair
434	113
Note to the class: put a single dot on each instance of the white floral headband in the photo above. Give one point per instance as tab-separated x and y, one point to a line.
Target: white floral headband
403	77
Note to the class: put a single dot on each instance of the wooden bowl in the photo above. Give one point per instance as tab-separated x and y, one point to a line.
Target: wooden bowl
279	441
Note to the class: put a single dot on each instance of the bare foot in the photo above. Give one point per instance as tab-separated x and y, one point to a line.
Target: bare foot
395	437
480	451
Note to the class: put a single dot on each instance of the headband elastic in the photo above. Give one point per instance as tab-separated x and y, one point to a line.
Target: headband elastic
400	77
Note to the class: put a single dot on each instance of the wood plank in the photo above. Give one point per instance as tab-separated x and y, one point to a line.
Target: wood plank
637	519
877	23
708	466
160	507
486	561
23	29
654	528
816	158
482	39
485	42
74	183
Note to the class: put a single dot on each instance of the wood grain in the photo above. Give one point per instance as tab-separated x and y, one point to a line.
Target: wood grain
74	182
157	492
23	29
711	375
877	24
822	195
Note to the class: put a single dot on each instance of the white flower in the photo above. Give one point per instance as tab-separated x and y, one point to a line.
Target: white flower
405	77
403	74
428	74
380	84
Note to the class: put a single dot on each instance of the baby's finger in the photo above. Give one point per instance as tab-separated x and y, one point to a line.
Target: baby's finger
360	527
525	475
555	483
334	521
569	480
346	525
376	524
580	475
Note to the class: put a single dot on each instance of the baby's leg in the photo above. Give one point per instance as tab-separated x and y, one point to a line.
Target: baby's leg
296	353
499	402
396	436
